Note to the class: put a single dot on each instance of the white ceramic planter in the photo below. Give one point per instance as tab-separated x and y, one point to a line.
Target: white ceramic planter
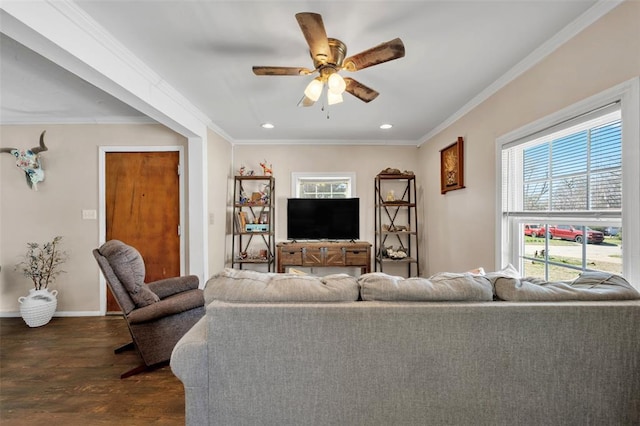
38	307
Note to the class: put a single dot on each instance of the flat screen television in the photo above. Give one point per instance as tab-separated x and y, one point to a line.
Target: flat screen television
323	218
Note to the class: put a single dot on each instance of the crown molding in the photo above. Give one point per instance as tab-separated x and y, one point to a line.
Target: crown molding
327	142
50	120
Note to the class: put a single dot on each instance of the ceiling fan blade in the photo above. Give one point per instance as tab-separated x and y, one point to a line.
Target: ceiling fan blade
259	70
359	90
305	102
383	52
313	29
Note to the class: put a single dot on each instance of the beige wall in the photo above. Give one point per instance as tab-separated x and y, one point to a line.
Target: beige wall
219	153
461	224
70	186
365	160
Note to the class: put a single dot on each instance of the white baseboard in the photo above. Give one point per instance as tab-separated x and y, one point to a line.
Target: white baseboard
58	314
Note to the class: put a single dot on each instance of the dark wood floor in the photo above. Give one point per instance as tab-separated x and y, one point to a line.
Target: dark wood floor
65	373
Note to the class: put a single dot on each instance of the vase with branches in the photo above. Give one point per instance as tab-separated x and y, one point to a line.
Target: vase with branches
42	263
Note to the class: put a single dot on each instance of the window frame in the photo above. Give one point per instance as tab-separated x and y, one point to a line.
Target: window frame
628	94
296	176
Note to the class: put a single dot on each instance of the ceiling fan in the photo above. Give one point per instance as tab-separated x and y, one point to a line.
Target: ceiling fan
329	57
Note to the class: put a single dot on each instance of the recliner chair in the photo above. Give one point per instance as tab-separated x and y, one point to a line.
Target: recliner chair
159	313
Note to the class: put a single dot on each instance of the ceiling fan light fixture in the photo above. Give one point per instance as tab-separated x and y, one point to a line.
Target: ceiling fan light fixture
336	83
334	98
314	89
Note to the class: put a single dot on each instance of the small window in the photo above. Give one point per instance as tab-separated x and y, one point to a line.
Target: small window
323	185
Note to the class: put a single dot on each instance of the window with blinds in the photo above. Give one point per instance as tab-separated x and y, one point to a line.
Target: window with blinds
579	171
562	191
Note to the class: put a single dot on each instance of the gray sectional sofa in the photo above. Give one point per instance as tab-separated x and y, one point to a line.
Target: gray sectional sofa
279	349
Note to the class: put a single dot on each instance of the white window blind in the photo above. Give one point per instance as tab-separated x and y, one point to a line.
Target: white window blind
567	169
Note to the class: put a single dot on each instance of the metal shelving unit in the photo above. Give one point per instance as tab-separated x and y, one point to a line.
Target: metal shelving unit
253	239
396	222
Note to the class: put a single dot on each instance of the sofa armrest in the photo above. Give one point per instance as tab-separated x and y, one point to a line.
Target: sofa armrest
174	285
190	363
189	359
181	302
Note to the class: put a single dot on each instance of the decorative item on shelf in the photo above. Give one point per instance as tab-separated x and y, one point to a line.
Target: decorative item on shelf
256	198
391	195
243	198
266	188
267	170
242	170
257	227
391	253
41	264
390	171
395	228
29	161
452	167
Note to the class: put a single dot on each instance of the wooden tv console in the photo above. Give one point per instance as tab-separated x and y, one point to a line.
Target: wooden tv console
324	254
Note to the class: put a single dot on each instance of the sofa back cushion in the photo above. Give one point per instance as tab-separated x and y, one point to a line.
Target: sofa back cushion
439	287
588	286
232	285
128	266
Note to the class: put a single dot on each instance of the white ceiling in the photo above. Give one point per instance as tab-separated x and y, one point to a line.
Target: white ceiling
456	51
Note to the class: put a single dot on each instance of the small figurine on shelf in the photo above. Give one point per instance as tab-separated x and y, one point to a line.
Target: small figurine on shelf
266	170
264	194
391	196
242	170
389	252
243	197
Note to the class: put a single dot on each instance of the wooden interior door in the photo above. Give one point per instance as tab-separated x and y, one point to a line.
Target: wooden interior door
143	209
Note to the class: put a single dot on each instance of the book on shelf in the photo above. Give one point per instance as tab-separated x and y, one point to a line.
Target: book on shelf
241	221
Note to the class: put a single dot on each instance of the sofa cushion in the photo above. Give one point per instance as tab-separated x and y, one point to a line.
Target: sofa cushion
439	287
128	266
588	286
232	285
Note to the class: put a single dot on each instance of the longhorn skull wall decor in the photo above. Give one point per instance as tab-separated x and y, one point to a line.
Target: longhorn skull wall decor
29	161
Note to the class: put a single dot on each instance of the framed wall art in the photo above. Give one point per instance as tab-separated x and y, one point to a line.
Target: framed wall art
452	167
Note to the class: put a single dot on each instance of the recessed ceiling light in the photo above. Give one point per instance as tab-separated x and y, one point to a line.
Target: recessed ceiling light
267	126
386	126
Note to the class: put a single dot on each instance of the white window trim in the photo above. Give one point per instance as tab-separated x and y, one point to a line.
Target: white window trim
628	93
296	176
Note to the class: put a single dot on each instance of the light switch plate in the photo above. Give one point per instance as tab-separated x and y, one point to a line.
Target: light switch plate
89	214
